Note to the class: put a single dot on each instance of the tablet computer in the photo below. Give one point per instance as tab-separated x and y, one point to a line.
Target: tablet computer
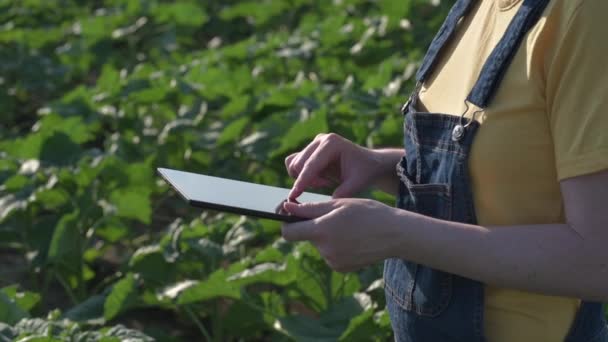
234	196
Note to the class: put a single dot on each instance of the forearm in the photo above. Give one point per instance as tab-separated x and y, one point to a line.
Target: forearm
387	159
550	259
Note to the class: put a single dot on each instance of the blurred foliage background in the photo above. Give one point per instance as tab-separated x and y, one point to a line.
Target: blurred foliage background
94	95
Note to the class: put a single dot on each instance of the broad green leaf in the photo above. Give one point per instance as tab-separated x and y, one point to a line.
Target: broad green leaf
65	250
10	312
232	132
184	13
344	309
360	328
214	287
35	326
306	329
270	273
7	333
269	254
121	298
125	334
52	199
133	203
16	182
38	339
150	263
59	149
91	309
112	230
109	80
25	300
303	132
10	203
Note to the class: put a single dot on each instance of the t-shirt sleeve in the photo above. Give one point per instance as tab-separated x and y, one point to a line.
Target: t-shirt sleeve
577	92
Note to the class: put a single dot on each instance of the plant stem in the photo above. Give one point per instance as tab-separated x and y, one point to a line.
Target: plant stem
197	322
67	288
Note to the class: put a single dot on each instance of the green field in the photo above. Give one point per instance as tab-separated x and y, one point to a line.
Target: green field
94	95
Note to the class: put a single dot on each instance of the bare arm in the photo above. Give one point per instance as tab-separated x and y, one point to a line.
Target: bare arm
567	259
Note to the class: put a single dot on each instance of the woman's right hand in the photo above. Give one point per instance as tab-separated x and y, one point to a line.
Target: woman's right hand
331	160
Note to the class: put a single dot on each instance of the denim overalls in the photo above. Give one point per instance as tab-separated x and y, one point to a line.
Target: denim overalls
427	305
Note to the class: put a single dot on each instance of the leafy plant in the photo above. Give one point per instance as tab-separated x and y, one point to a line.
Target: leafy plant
95	95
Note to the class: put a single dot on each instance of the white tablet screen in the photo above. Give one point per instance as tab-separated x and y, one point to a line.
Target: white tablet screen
209	191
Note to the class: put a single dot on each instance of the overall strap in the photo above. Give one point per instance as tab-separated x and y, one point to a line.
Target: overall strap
497	64
460	9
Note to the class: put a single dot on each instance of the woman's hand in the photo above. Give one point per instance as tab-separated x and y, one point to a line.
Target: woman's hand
331	160
349	233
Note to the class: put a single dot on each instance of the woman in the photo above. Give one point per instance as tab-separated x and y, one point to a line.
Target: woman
501	230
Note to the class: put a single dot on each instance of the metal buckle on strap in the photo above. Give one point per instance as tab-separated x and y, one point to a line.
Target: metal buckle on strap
460	128
406	105
410	99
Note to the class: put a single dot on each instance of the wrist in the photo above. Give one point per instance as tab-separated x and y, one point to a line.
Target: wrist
384	175
387	158
398	223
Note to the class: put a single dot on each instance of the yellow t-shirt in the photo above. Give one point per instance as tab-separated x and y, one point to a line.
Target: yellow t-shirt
547	122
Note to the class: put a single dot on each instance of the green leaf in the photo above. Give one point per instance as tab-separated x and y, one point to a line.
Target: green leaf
91	309
133	203
38	339
10	312
306	329
65	250
7	334
125	334
59	149
25	300
149	262
302	132
198	291
52	199
269	273
109	81
121	298
232	132
183	13
35	326
360	327
9	204
16	182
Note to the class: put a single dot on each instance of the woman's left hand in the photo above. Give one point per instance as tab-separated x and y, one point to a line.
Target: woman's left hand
349	233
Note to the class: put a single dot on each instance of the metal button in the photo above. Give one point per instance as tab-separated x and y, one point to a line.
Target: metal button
458	132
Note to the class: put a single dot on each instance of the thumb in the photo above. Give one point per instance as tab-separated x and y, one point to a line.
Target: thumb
309	210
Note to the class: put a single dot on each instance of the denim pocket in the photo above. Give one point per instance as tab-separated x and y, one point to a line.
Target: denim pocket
414	287
430	199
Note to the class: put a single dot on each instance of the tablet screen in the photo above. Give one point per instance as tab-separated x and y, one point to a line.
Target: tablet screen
234	196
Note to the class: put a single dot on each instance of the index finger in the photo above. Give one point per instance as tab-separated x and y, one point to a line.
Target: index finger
317	161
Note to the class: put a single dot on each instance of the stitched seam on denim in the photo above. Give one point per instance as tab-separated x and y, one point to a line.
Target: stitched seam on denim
408	304
449	204
445	295
433	144
401	302
412	287
441	149
442	189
